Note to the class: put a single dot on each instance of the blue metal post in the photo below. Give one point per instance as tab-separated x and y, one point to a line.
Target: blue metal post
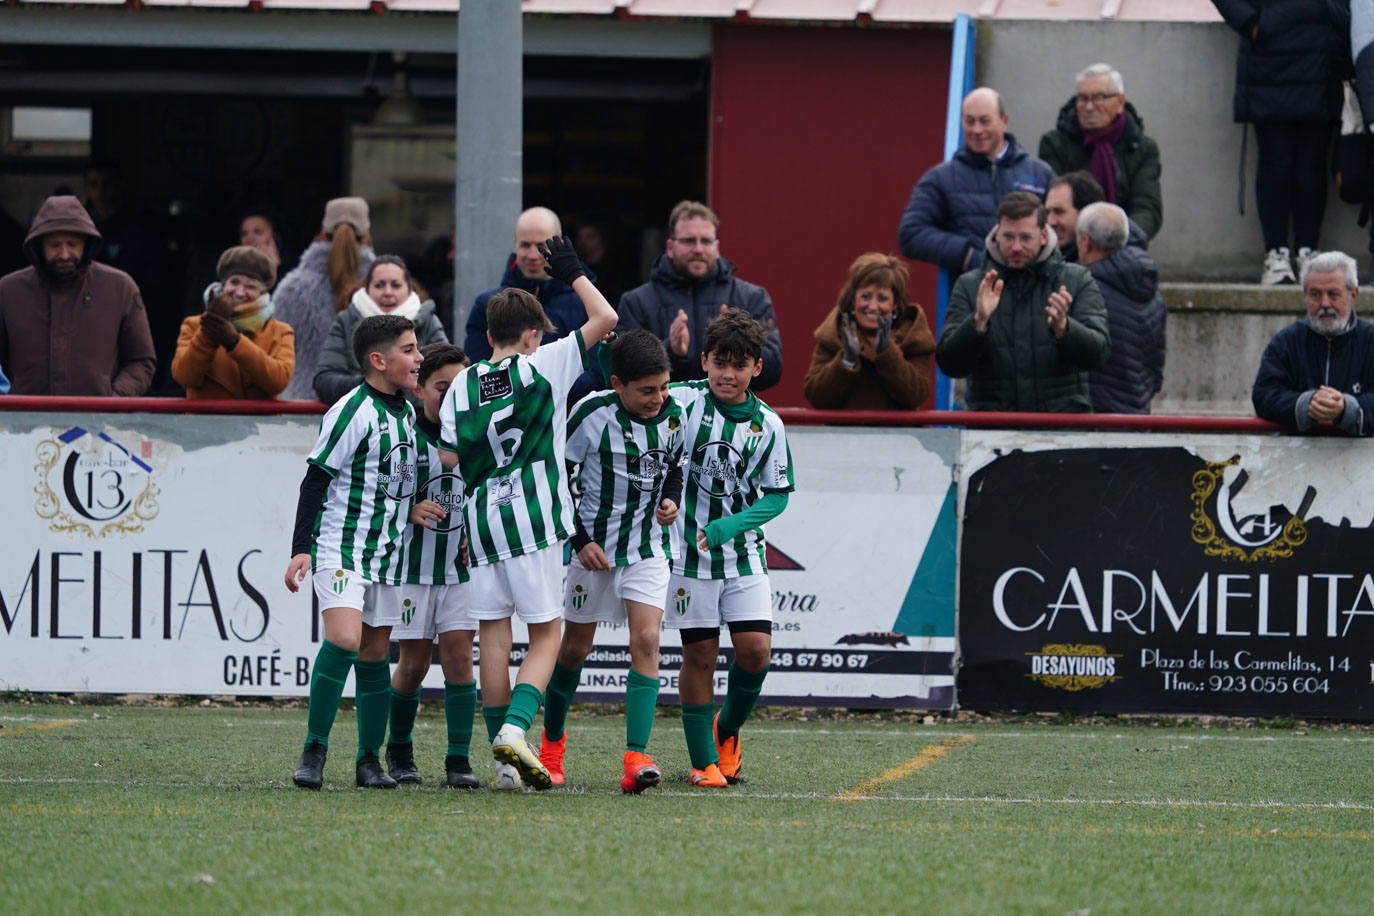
961	59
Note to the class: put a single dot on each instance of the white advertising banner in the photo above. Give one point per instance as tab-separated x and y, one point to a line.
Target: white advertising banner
144	553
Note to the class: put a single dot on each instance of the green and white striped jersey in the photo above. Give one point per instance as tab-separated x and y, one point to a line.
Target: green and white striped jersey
507	422
432	555
730	465
368	448
624	462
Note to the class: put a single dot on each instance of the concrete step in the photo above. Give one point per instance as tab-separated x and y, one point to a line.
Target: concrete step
1215	336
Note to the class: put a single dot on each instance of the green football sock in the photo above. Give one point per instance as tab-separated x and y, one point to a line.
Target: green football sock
495	717
641	696
460	705
373	702
525	700
562	686
701	744
326	687
741	693
404	706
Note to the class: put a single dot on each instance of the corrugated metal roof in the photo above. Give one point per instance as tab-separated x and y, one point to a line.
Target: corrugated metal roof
887	11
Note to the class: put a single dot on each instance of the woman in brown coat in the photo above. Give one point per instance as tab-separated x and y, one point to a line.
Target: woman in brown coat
873	349
236	349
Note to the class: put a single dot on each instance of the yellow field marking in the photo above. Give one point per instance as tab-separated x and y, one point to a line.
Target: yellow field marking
925	758
37	728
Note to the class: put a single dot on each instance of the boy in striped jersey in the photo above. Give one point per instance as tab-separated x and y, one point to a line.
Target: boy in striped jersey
434	600
355	499
504	426
629	444
739	472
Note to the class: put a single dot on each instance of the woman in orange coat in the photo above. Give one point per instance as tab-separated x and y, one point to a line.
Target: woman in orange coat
236	349
873	349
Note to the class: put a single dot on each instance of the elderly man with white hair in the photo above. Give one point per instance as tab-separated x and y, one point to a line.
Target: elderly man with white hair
1098	131
1129	282
1320	371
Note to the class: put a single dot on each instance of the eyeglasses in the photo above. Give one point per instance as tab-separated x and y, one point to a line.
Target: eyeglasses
1097	98
693	241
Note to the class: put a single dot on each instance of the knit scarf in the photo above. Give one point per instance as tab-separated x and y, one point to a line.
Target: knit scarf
1099	144
367	308
249	316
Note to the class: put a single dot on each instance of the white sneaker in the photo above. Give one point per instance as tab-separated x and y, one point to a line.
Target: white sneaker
1305	254
509	747
1277	269
507	778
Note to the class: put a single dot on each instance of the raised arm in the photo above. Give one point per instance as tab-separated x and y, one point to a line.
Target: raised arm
563	264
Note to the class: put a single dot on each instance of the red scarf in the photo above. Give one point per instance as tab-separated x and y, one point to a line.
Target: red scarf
1099	144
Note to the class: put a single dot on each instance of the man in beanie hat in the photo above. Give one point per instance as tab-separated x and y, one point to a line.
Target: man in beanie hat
236	349
69	326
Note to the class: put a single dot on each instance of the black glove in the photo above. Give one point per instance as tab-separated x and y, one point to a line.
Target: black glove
884	333
849	339
562	257
219	329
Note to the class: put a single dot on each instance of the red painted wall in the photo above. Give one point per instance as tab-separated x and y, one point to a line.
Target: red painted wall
817	136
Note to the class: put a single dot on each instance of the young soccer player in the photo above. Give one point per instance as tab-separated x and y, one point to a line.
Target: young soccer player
434	600
504	426
738	476
356	497
629	444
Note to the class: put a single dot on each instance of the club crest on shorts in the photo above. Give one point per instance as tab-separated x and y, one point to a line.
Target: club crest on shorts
579	597
340	582
407	611
682	599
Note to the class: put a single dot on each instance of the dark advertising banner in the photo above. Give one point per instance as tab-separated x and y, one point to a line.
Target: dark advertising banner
1128	579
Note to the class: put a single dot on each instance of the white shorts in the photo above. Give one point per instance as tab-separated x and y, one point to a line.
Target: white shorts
431	610
698	603
340	588
599	595
529	585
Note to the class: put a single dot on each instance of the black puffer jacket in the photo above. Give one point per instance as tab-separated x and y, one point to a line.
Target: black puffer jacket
1134	371
1291	70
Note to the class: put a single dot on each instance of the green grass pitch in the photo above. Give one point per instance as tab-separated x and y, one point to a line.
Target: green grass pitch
152	810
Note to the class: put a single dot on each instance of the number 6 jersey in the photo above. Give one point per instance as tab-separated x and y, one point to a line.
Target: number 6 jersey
507	422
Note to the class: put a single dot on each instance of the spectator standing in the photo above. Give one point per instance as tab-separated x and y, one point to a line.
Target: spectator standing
691	284
1026	331
259	229
387	290
1068	194
1099	132
1129	282
1293	54
1320	372
873	349
954	205
321	285
68	325
525	270
236	349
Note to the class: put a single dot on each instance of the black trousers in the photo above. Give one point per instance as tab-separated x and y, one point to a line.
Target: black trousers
1290	181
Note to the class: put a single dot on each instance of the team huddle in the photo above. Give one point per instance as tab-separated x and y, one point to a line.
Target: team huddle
438	524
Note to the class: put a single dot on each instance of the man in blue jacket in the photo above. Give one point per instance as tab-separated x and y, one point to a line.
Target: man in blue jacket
954	205
525	270
1320	372
689	285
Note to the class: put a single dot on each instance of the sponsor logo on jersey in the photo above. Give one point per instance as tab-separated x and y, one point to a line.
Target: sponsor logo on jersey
494	385
648	472
446	491
396	472
715	466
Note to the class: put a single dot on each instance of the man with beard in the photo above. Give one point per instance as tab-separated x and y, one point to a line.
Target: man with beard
68	325
1320	372
1025	327
691	284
